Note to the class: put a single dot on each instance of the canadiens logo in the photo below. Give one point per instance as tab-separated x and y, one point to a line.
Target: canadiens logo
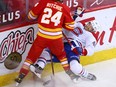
16	42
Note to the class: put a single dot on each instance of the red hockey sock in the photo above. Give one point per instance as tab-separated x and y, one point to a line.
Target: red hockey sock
65	64
24	71
25	68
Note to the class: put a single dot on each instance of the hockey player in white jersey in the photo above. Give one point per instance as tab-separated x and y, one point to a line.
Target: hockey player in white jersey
78	43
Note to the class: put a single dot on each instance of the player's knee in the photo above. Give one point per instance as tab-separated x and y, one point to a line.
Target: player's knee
75	66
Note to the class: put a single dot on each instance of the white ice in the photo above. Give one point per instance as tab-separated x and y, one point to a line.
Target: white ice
105	72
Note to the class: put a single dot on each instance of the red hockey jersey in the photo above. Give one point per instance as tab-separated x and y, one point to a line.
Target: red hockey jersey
52	16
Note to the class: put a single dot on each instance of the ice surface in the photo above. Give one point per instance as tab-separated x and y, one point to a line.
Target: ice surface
105	72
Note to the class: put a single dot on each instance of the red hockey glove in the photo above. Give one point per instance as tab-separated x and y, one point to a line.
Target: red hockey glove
79	51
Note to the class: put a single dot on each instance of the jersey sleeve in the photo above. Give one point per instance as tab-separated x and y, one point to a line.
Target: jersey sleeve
90	44
68	20
34	12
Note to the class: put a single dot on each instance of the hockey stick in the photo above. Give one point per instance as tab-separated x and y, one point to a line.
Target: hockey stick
52	65
53	73
45	83
72	47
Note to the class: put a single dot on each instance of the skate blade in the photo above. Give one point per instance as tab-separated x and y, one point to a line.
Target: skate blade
33	71
46	83
38	75
17	84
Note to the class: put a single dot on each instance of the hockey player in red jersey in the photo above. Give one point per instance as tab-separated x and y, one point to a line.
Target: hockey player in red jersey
81	42
52	16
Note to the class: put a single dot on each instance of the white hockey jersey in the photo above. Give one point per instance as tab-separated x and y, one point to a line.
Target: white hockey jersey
84	38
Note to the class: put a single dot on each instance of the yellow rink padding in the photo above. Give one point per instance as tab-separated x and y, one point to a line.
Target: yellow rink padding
9	78
97	57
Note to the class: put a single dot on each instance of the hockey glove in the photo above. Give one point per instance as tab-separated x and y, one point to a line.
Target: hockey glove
79	51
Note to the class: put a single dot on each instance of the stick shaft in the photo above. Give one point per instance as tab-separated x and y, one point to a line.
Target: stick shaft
52	65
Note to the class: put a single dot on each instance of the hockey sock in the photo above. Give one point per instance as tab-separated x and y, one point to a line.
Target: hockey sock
42	62
25	68
83	73
65	64
77	68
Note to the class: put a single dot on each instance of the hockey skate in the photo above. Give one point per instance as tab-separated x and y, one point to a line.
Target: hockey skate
73	77
36	70
90	77
19	79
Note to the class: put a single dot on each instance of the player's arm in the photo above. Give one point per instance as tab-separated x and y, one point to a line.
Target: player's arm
84	51
35	11
68	20
90	49
90	45
77	49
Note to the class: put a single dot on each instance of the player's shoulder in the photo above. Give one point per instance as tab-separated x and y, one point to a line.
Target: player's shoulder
65	7
79	25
